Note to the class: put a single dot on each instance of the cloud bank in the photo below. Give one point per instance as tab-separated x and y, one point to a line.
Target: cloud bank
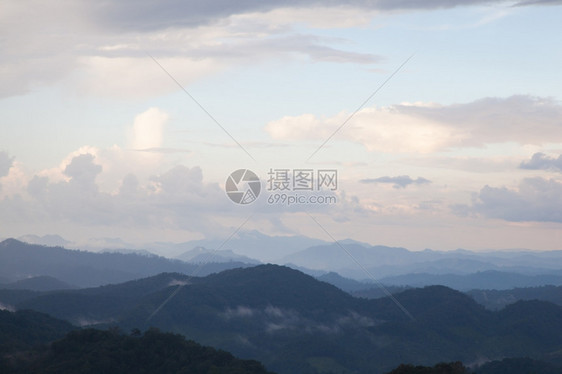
534	200
104	52
426	128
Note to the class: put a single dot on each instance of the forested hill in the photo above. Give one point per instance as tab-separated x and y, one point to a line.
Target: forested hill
26	347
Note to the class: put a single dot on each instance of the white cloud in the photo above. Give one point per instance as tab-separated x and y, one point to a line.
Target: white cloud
147	130
520	118
378	129
177	198
315	16
422	128
139	76
14	181
240	311
95	192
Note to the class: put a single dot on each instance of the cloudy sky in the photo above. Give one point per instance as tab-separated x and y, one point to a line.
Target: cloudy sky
442	118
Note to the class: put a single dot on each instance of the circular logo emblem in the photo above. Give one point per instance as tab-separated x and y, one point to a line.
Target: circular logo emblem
243	186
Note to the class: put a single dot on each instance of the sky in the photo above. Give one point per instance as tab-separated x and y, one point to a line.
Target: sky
122	120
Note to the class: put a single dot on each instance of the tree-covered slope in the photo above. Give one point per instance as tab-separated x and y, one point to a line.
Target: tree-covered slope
297	324
26	328
93	351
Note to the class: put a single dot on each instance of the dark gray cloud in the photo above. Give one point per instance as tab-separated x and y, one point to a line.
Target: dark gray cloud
129	186
6	163
149	15
536	199
540	161
83	169
41	51
401	181
37	186
539	2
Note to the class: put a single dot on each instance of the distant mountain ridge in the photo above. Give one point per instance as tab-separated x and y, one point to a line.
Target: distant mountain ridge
256	245
493	299
480	280
49	240
460	269
313	255
203	255
388	260
20	260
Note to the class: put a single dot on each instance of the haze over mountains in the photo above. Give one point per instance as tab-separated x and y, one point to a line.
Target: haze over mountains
203	255
459	269
386	261
252	244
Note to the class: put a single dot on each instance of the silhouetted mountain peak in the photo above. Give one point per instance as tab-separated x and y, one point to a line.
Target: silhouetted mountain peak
525	308
440	303
275	276
11	242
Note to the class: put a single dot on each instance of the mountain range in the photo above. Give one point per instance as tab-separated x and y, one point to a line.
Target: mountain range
24	265
294	323
317	255
19	260
251	244
382	261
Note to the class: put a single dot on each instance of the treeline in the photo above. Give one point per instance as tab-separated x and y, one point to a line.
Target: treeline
505	366
94	351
